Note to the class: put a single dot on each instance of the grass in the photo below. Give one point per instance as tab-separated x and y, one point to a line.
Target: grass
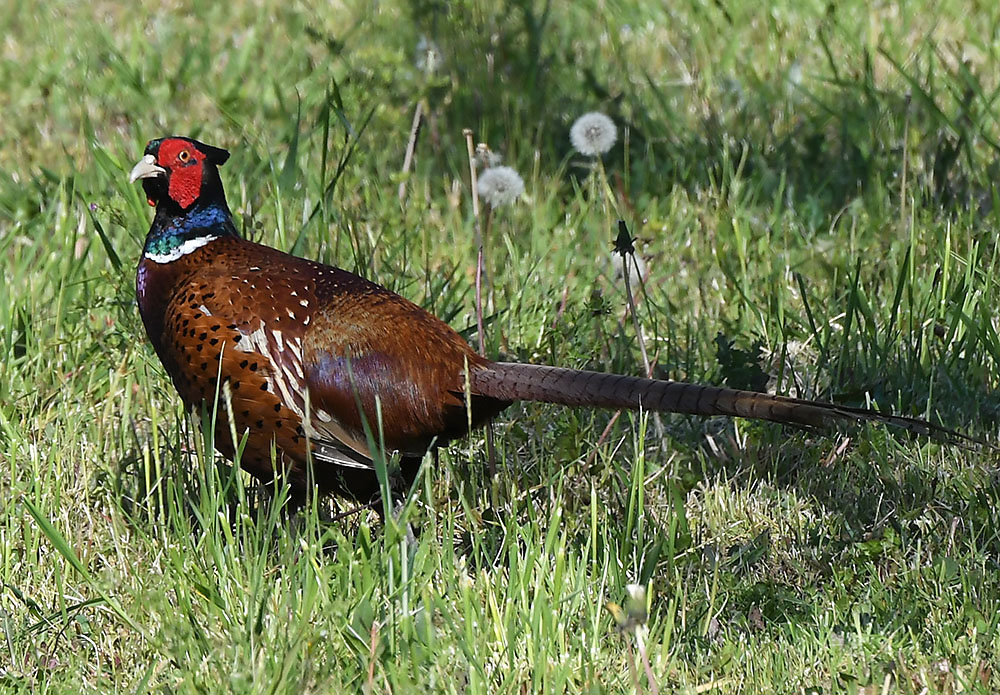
811	186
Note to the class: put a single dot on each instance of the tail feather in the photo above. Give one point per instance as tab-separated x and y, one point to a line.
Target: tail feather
510	381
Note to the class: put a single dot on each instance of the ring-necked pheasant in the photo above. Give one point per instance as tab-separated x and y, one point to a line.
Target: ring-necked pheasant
304	350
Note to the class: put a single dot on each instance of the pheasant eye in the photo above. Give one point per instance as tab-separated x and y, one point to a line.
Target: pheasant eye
184	155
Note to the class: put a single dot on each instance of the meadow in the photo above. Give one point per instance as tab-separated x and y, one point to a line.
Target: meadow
811	190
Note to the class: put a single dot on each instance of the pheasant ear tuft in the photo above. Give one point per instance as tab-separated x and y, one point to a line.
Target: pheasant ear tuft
216	155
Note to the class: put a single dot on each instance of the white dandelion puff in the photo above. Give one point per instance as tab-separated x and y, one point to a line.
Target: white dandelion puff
428	56
499	186
794	75
636	593
593	134
637	270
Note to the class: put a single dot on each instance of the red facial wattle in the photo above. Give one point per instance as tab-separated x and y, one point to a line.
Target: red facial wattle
185	164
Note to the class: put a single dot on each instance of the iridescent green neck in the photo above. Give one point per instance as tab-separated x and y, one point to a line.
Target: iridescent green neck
172	237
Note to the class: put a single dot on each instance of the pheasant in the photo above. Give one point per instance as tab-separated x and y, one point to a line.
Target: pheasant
300	356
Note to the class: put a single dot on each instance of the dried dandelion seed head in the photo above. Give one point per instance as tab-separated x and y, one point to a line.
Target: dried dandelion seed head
486	158
593	134
500	186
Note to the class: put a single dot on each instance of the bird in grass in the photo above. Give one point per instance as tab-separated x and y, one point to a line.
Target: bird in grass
302	358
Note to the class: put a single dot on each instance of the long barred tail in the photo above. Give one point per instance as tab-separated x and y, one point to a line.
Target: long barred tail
511	381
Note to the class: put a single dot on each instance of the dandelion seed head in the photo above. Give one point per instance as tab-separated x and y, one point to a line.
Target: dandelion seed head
636	268
636	592
635	606
428	56
500	186
794	76
486	158
593	134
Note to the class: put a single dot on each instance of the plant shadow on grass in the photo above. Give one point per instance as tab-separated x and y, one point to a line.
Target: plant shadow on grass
829	155
816	152
821	146
186	490
880	491
877	477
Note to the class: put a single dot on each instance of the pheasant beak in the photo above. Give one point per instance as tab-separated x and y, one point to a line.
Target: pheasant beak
146	168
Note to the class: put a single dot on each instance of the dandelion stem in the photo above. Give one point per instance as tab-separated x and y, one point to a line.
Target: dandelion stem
632	669
640	645
470	146
483	278
487	275
418	114
627	251
480	330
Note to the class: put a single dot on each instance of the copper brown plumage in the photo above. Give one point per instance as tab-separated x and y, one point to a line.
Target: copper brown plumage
299	356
